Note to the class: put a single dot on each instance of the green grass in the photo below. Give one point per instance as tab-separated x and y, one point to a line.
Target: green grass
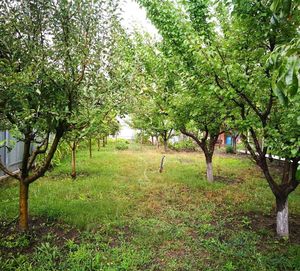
131	217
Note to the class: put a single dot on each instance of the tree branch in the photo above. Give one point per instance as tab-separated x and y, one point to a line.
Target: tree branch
42	170
294	182
8	172
193	136
38	151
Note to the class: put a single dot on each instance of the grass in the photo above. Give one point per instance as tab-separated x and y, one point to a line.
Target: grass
121	214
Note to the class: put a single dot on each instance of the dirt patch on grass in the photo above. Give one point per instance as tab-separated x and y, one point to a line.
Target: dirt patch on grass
226	180
41	230
119	235
237	155
7	182
186	161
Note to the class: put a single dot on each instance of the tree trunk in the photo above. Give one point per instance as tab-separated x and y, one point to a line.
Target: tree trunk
23	206
165	145
152	140
282	220
73	174
209	169
90	147
234	144
157	142
103	141
142	137
286	171
98	141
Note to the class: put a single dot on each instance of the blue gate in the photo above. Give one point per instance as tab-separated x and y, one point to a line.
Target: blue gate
228	140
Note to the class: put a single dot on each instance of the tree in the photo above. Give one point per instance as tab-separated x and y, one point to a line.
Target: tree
250	83
154	85
152	120
234	53
199	115
46	48
195	109
103	95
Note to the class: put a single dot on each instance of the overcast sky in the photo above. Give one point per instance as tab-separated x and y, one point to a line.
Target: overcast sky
135	17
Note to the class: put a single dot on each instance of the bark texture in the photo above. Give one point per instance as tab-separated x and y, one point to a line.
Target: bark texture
165	145
207	144
23	206
282	219
209	172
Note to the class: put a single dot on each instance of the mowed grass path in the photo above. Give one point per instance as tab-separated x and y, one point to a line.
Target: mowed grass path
130	217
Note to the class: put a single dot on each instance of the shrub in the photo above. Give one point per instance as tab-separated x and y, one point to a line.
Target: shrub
125	141
117	140
121	145
142	138
186	145
229	149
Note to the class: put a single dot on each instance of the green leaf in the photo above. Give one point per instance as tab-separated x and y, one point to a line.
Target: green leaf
280	94
293	89
275	5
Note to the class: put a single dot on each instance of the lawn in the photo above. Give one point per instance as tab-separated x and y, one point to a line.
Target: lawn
122	214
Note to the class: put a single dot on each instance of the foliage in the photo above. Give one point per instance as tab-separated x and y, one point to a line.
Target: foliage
122	145
142	137
154	85
286	64
183	145
60	154
285	60
229	149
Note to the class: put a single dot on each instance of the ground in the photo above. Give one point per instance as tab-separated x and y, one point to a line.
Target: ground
122	214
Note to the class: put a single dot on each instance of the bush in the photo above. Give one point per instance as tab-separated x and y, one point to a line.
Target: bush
142	138
121	145
186	145
229	149
125	141
117	140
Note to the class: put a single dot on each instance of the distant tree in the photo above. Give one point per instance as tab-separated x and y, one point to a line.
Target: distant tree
186	96
154	85
152	121
200	116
